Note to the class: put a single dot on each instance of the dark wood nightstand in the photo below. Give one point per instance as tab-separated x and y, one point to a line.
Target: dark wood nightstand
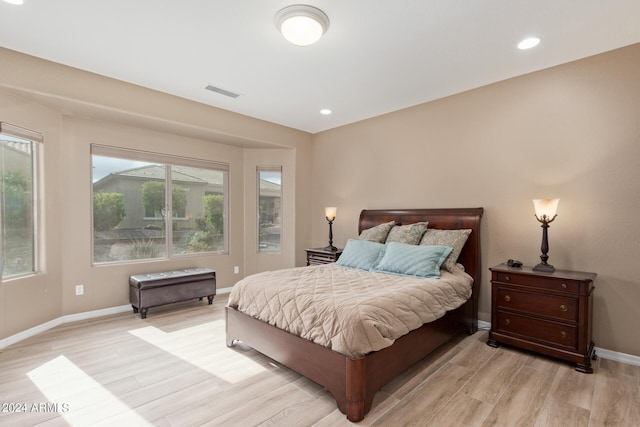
317	256
549	313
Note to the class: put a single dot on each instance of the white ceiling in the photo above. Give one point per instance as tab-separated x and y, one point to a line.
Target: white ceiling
377	56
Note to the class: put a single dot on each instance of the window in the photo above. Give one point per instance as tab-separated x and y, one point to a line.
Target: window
18	249
148	205
269	209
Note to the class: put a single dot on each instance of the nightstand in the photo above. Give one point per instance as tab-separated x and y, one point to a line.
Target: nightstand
317	256
549	313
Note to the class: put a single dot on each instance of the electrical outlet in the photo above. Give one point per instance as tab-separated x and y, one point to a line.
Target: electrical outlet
79	289
236	270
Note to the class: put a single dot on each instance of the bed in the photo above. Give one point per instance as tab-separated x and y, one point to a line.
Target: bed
354	380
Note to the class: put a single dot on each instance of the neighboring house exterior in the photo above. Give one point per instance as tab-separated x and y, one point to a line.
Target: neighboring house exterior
16	156
194	182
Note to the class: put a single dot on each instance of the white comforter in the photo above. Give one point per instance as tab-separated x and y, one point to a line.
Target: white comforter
350	311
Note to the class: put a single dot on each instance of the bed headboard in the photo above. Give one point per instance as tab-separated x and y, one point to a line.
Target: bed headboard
444	219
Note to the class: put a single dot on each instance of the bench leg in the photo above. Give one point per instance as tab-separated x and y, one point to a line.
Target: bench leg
143	313
210	298
135	309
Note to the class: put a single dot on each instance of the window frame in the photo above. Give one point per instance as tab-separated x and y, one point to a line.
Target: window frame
260	169
167	161
36	139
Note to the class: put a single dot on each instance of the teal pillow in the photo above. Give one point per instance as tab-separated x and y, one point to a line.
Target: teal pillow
412	260
361	254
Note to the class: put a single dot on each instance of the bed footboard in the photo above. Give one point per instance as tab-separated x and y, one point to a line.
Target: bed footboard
319	364
353	383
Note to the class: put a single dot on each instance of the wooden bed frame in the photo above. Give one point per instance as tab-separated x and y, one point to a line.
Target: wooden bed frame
354	382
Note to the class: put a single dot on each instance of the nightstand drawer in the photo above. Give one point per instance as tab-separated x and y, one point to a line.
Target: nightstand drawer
322	256
540	282
321	259
537	330
552	306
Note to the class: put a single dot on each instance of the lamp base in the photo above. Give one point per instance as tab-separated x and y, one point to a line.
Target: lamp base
546	268
331	248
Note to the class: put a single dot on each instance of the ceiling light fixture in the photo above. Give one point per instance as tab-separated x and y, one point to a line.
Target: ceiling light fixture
301	24
18	2
325	111
528	43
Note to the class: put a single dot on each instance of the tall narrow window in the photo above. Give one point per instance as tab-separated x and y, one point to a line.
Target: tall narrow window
18	235
269	209
148	206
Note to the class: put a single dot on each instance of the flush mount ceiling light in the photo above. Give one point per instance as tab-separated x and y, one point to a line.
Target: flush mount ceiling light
301	24
14	1
528	43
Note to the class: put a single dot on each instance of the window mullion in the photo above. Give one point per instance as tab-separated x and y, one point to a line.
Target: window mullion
168	188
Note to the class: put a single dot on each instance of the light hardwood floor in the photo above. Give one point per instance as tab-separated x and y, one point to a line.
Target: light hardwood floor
173	369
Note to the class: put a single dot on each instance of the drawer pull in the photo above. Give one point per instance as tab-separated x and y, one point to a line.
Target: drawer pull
507	298
563	334
564	307
507	322
564	286
506	278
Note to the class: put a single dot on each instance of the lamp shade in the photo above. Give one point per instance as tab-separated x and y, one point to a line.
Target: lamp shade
546	207
330	213
301	24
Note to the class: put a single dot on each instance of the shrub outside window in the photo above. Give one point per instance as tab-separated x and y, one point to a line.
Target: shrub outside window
148	206
18	231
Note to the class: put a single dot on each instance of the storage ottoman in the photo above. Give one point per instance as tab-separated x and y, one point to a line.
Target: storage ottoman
154	289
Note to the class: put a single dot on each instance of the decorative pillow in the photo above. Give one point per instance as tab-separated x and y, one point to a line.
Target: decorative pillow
453	238
409	234
378	233
412	260
361	254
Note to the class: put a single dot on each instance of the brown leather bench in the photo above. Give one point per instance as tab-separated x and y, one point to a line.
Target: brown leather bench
154	289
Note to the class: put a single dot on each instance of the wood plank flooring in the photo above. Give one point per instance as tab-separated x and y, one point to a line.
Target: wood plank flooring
173	369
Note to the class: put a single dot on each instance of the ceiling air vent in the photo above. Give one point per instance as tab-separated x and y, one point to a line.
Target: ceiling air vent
222	91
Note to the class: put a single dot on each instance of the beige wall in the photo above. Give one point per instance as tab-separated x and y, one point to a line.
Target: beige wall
27	302
74	109
103	284
254	261
571	132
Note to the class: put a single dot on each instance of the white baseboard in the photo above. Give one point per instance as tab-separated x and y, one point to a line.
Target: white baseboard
484	325
617	356
20	336
600	352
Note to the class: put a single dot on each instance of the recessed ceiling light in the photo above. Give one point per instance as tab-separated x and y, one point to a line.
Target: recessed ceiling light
14	1
325	111
528	43
301	24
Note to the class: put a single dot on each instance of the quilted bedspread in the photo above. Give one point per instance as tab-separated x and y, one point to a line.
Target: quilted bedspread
347	310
